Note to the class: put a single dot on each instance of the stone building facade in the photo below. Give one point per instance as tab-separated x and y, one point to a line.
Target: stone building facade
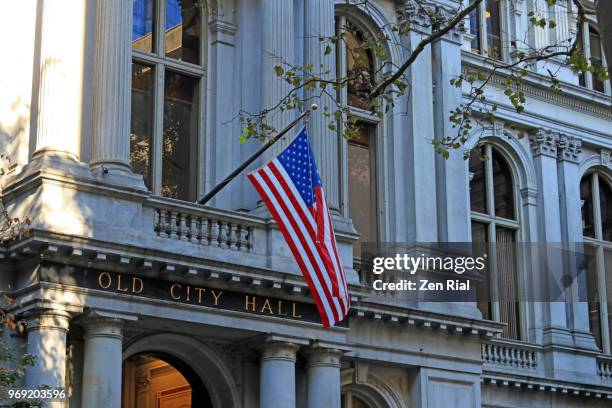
117	115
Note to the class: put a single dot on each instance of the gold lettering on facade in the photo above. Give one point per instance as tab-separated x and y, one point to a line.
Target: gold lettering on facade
137	282
280	308
119	288
267	307
249	303
188	289
200	291
107	279
172	288
294	312
216	296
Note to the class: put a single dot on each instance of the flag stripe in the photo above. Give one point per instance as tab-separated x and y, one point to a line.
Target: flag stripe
327	316
306	240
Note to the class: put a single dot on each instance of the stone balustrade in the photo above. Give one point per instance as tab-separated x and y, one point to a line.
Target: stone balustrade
604	367
510	354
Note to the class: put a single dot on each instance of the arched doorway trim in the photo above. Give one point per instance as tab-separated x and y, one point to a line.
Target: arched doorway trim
202	360
374	390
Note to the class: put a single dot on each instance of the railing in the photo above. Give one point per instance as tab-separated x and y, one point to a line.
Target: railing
604	367
510	355
203	227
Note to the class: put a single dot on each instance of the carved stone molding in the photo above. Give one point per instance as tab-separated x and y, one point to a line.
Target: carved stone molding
569	148
544	142
606	160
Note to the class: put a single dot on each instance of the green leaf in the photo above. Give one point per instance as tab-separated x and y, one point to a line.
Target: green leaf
328	49
279	70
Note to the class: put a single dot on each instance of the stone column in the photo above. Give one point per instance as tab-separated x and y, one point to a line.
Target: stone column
59	108
420	206
102	362
451	177
111	92
277	375
323	378
278	43
47	341
568	151
319	22
550	269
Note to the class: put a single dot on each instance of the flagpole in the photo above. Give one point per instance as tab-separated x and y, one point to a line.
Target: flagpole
254	156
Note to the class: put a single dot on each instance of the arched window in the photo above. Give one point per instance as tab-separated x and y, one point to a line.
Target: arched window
495	221
596	200
167	79
352	400
357	63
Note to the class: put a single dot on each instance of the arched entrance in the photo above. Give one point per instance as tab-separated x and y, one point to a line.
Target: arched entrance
190	364
157	380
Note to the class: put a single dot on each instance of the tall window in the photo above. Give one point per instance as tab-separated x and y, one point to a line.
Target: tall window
589	42
596	197
358	64
485	28
494	221
167	82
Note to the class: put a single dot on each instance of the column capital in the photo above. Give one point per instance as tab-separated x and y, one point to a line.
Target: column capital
323	357
41	319
101	324
279	350
569	148
544	142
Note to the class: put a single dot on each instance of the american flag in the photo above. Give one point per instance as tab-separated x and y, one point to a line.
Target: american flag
291	188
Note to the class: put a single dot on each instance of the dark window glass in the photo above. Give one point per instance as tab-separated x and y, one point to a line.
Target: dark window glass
586	195
141	130
593	293
596	59
182	30
479	237
605	200
475	29
492	15
503	189
507	282
362	186
360	67
179	147
608	269
142	26
478	185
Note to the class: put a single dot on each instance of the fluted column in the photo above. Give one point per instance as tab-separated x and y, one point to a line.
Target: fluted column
319	22
60	93
277	375
111	88
278	43
323	377
47	342
102	362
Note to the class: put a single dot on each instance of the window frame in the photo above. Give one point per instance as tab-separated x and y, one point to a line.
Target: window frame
483	41
585	31
160	64
492	222
600	246
366	117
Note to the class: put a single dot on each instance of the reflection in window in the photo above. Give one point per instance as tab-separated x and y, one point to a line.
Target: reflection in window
493	29
182	26
605	199
142	28
141	132
478	196
360	68
179	142
475	30
596	58
586	195
362	186
502	188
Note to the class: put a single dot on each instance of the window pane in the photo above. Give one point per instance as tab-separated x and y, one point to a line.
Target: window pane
475	29
360	67
503	188
478	196
182	26
596	60
605	199
493	29
593	293
479	237
362	188
586	196
507	282
359	403
608	269
180	135
141	130
142	27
